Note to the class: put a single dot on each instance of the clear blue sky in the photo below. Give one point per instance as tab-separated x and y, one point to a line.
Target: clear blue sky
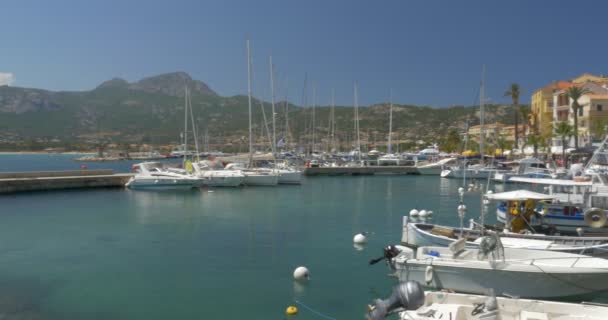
429	52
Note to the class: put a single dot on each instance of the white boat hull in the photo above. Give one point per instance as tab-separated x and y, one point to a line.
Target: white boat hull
435	171
255	179
214	181
290	177
152	183
509	281
414	235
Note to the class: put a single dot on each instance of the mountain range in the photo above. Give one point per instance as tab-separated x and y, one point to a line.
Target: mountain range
151	111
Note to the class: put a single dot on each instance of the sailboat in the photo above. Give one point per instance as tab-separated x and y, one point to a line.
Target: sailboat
476	171
390	159
254	177
287	174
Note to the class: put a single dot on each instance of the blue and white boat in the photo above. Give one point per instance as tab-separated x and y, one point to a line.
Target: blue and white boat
526	168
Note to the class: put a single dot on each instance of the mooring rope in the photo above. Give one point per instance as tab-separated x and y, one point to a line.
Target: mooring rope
314	311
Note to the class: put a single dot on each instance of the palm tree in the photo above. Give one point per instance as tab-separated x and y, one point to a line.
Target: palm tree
575	93
501	143
564	130
524	111
535	140
513	92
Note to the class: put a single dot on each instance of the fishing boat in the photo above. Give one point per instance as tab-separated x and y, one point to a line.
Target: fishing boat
154	176
575	206
411	303
424	234
510	272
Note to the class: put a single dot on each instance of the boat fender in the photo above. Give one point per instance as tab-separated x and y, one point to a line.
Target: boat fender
428	275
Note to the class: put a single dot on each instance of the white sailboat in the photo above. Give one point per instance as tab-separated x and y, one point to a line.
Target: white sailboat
254	177
287	174
481	170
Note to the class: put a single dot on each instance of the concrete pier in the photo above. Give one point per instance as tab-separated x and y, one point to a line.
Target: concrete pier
11	182
360	171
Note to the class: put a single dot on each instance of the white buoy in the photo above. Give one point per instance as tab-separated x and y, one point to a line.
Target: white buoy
423	213
429	212
414	213
301	274
461	190
489	192
360	238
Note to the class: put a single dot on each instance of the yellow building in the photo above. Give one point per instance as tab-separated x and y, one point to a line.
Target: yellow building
541	106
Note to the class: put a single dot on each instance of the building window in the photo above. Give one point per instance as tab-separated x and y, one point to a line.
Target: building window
580	112
599	107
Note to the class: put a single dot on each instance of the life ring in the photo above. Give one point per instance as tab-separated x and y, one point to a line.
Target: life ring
428	275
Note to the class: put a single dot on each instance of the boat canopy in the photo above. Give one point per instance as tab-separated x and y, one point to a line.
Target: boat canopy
519	195
552	182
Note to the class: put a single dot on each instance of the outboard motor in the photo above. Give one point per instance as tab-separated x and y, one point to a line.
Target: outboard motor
407	295
389	253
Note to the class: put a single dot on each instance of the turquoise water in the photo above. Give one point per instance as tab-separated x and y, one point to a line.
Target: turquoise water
226	254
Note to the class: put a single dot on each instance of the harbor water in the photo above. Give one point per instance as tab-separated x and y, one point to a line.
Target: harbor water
205	254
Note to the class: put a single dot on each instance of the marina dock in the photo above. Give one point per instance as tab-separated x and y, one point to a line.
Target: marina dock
360	171
12	182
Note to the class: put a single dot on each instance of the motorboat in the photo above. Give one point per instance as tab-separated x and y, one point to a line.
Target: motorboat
154	176
509	271
527	168
218	178
410	302
434	168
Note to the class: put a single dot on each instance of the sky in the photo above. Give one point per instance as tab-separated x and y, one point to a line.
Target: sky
422	52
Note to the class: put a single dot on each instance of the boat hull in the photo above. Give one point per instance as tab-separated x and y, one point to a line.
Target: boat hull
414	235
434	171
224	181
160	184
254	179
290	177
524	284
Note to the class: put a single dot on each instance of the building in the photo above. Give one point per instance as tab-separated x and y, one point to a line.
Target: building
592	116
541	106
550	104
494	130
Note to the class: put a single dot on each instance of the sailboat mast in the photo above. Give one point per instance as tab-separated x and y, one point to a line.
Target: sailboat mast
285	142
314	104
333	120
193	126
185	124
357	121
390	122
249	102
274	133
481	113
